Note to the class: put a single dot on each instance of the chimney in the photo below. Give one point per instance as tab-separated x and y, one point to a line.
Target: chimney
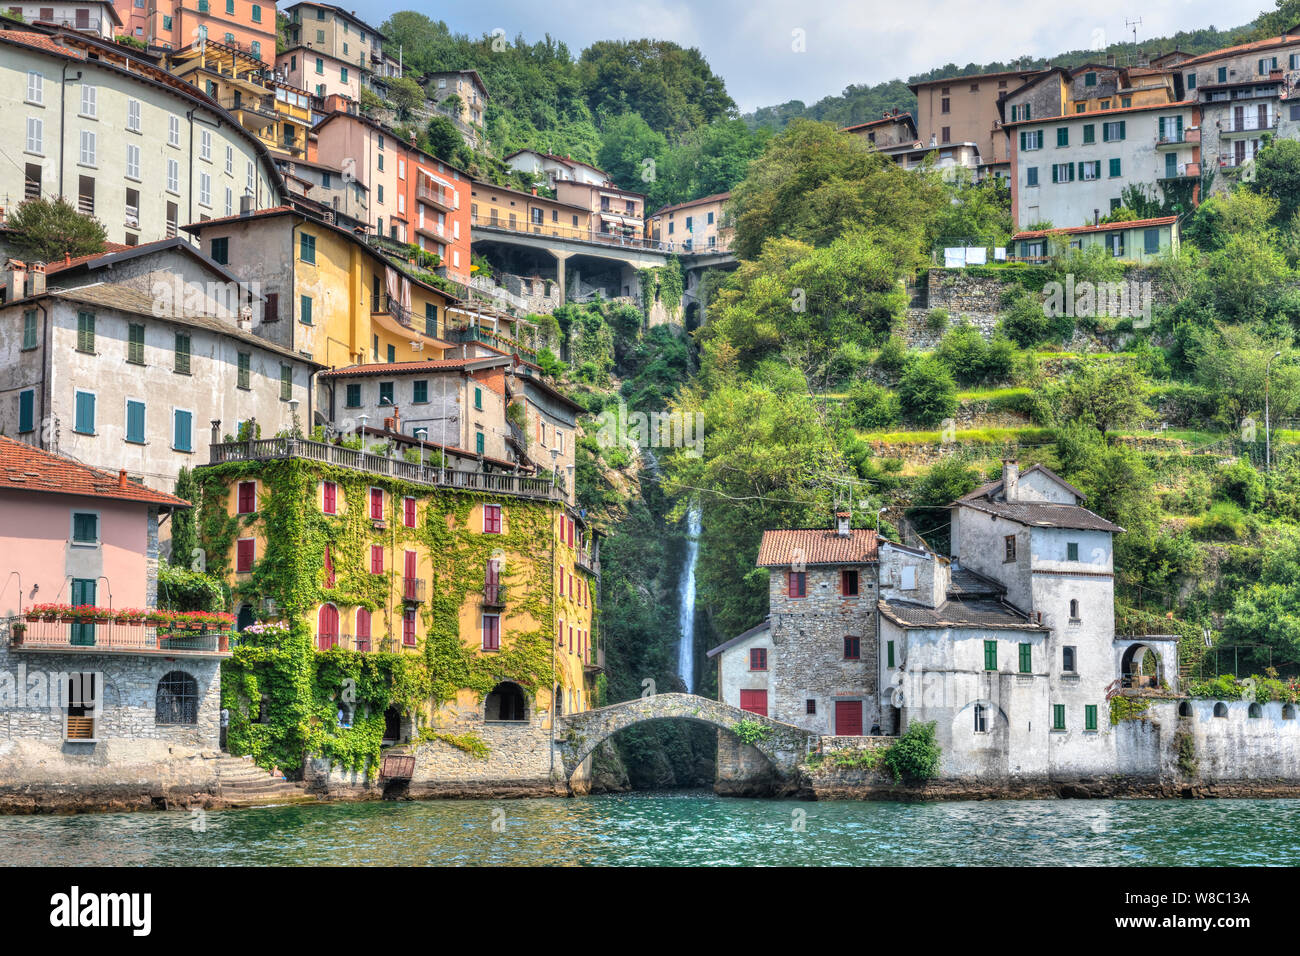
1110	59
1096	217
15	284
1010	479
534	190
36	279
216	431
842	523
246	204
121	477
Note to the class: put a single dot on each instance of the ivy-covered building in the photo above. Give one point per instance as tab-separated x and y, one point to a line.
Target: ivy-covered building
388	604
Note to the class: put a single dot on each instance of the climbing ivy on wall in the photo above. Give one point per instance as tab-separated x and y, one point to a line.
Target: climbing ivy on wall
305	689
670	281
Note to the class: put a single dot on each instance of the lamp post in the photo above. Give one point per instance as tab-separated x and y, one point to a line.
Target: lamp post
1268	434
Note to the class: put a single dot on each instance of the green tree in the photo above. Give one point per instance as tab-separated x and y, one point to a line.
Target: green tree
671	87
443	139
184	534
1231	362
1104	395
1277	175
405	94
927	391
627	142
48	229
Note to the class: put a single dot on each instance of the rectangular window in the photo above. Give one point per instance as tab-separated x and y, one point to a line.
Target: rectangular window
86	332
430	319
173	176
244	556
182	429
135	422
1090	79
1031	139
408	627
29	330
491	519
1112	132
1009	545
1026	658
89	100
353	397
247	497
1089	716
479	445
478	399
889	653
797	584
35	88
1063	172
990	655
243	363
1151	241
205	189
810	706
85	527
1191	80
420	392
329	498
1031	176
286	382
26	411
849	582
307	248
182	353
1090	171
852	648
1058	716
1067	660
386	393
1223	74
758	659
173	130
87	148
304	310
84	422
1114	168
1072	551
491	632
35	136
1062	136
376	559
408	512
376	504
221	250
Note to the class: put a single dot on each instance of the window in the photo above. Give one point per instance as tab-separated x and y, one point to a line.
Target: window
810	706
35	137
89	101
889	653
26	411
257	13
376	559
1089	716
1111	132
85	527
1031	176
376	504
87	148
408	512
304	310
330	498
981	719
1067	660
492	519
1009	545
205	189
244	556
1063	172
86	332
286	382
182	427
182	363
35	88
307	248
990	655
1026	658
852	648
386	393
83	699
1114	168
173	130
221	250
758	659
84	421
797	584
1151	241
491	632
247	497
244	360
1191	81
1058	716
1115	243
907	579
420	392
1062	136
353	397
205	145
478	399
1074	609
320	66
1072	551
173	176
1031	139
1090	171
849	582
408	627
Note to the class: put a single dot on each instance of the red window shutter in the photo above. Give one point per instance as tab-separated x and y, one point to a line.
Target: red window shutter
408	627
408	512
491	632
244	556
376	504
247	497
570	638
754	701
331	500
491	519
410	564
329	568
363	624
561	641
376	559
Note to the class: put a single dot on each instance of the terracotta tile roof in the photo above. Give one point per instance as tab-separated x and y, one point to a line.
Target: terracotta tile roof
978	613
816	546
26	468
1039	514
110	248
1242	48
743	636
1094	114
716	197
405	368
1102	227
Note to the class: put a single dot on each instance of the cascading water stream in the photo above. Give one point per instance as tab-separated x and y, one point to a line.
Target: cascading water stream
686	596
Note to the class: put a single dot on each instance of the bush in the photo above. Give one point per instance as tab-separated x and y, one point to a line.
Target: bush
915	755
1242	484
871	407
937	320
892	356
926	391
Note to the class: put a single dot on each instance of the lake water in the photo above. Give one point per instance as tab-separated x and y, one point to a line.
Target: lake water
691	828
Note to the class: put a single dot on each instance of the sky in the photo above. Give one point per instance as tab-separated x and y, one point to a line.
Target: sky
771	51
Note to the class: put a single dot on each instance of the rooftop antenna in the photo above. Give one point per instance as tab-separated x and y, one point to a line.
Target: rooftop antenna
1133	25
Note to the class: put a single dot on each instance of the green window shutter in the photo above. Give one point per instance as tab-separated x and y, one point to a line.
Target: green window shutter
85	528
1089	134
478	443
1081	165
1162	127
990	655
182	352
430	319
85	332
286	383
1123	127
421	392
1027	111
85	416
29	329
1024	140
307	248
889	649
1055	179
26	411
1026	658
354	396
181	423
478	398
135	422
1090	717
245	361
135	343
1072	551
305	310
1058	716
392	354
1062	136
1114	168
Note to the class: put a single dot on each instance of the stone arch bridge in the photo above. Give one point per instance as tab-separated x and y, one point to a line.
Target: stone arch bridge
577	735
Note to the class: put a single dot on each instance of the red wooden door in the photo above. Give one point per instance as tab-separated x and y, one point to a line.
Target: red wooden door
848	718
755	701
327	629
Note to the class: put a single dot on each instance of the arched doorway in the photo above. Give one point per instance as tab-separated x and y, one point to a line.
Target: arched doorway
327	627
505	702
558	698
245	617
1140	667
392	725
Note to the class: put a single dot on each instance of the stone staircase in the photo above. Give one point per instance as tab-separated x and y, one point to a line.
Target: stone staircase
241	782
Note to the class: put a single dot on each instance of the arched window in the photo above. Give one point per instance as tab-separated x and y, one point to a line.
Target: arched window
1074	609
1220	709
327	627
506	702
1185	708
981	719
1255	711
363	629
177	701
1288	712
559	699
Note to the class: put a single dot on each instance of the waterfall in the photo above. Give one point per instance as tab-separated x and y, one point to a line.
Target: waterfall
686	596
